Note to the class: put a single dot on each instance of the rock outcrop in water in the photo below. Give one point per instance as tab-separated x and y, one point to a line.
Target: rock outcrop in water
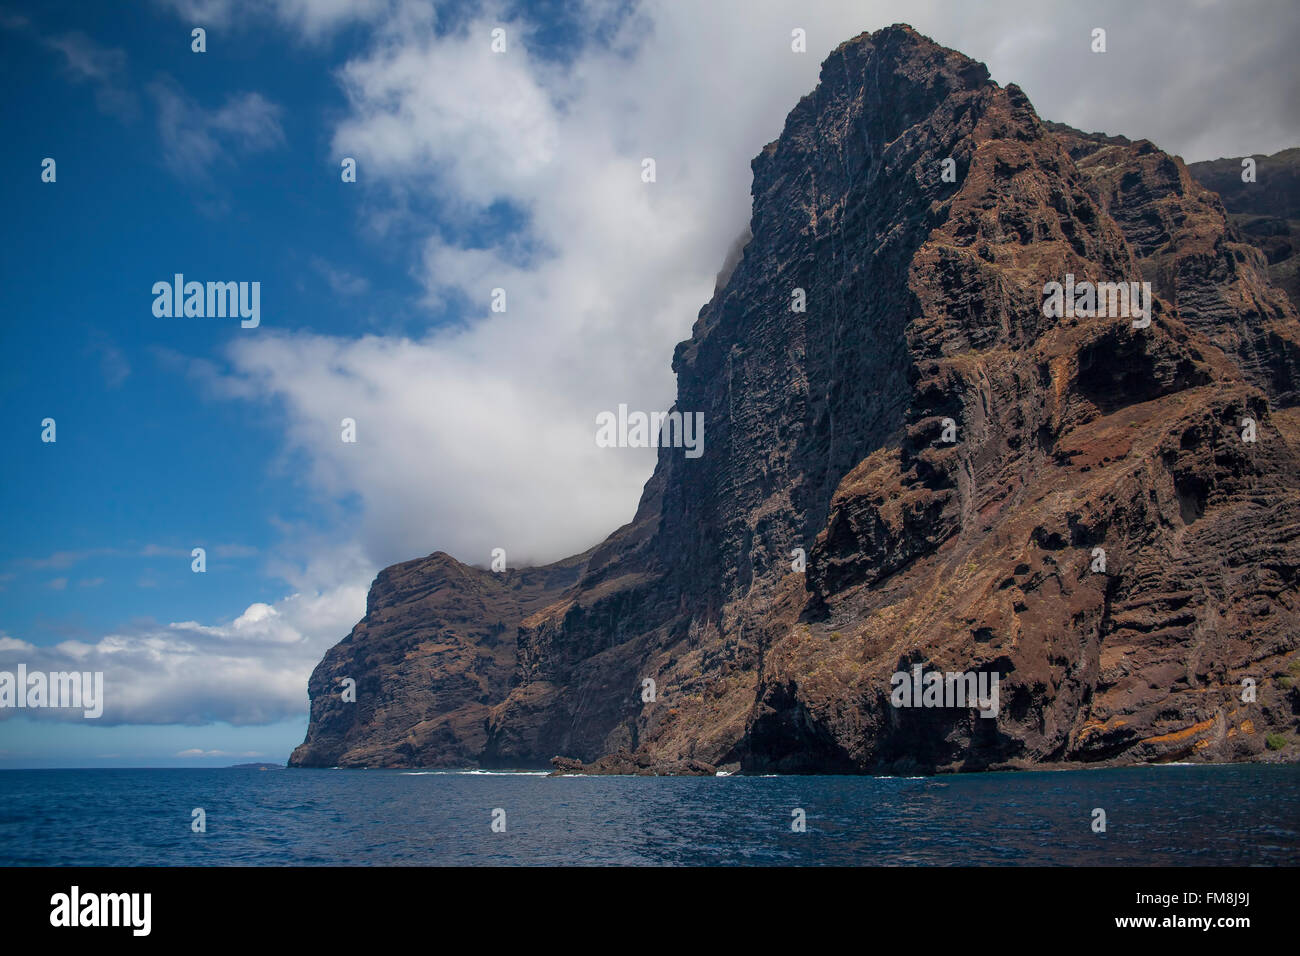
826	432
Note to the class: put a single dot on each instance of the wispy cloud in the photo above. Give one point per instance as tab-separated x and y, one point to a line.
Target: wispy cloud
87	60
113	364
340	281
62	560
308	20
194	139
198	752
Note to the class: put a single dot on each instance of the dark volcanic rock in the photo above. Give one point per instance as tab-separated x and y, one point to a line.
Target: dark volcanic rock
638	764
435	649
1275	191
1266	212
924	309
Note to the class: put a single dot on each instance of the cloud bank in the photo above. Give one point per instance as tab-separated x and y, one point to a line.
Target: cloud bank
253	670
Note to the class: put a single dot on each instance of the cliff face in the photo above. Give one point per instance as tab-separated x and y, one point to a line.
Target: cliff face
1265	212
436	647
826	431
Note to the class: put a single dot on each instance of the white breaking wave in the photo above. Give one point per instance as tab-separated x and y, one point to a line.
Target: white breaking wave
474	773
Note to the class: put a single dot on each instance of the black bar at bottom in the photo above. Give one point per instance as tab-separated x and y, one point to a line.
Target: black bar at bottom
333	905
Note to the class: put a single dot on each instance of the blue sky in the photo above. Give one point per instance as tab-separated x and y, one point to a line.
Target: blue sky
220	165
476	171
99	525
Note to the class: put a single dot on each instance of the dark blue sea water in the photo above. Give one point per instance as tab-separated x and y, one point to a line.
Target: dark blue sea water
1170	815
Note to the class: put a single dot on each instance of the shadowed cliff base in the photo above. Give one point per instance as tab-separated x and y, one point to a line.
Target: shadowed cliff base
951	458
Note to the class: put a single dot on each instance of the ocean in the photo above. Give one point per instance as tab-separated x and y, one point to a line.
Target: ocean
1155	816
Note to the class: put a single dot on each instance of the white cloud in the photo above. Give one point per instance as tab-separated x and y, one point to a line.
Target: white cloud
315	18
201	12
483	436
253	670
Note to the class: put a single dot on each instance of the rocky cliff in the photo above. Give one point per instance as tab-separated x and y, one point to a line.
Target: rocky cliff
952	458
1265	210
